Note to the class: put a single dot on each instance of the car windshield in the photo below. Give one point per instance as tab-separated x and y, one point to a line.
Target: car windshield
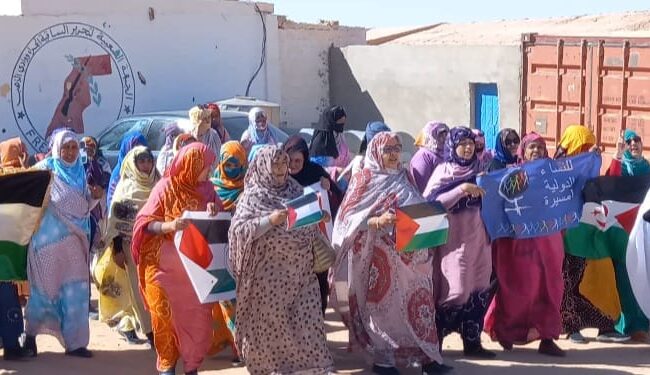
112	139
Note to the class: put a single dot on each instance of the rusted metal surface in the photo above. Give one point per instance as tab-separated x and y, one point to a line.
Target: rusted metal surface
602	83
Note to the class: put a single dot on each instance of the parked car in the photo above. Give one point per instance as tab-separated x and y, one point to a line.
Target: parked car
152	125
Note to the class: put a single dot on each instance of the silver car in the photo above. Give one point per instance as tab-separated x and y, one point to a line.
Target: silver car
152	125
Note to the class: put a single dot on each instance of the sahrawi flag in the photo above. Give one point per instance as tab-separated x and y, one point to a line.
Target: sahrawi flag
23	197
421	226
304	210
608	216
203	249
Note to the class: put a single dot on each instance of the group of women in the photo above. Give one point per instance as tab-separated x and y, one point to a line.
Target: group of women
397	306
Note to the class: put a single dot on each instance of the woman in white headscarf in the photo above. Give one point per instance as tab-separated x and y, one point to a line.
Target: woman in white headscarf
260	131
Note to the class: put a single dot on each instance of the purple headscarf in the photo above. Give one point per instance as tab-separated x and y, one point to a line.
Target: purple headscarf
455	170
171	132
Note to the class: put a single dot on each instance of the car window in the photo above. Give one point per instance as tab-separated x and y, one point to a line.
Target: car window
111	140
235	126
156	133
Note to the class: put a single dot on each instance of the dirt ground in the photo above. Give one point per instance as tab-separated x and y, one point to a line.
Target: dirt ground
114	356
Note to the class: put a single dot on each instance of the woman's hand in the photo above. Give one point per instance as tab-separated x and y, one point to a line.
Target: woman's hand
386	219
212	209
325	183
620	145
326	217
174	226
278	217
472	190
96	192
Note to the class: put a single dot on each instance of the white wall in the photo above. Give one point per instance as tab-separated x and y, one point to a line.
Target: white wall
305	69
193	51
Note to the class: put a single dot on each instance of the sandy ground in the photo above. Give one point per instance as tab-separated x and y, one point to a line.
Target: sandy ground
114	356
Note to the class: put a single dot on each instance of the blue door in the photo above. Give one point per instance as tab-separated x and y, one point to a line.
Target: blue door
486	111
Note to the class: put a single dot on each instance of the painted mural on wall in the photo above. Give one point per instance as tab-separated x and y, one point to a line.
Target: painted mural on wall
70	75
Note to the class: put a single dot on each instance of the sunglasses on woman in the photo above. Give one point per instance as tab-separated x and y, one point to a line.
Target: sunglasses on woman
391	149
510	142
636	139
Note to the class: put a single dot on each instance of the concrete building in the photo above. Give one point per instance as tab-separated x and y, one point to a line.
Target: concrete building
462	74
87	63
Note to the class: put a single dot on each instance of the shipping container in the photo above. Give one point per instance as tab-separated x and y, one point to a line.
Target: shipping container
602	83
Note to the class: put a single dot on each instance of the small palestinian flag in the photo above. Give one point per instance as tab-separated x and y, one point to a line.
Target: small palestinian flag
303	211
421	226
203	249
23	197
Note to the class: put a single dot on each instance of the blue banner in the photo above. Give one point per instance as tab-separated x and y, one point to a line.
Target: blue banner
537	198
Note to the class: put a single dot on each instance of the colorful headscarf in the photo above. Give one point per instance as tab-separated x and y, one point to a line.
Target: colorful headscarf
457	135
73	174
428	137
268	136
528	139
180	190
183	174
129	141
632	166
11	152
501	152
373	191
455	170
323	142
576	139
229	183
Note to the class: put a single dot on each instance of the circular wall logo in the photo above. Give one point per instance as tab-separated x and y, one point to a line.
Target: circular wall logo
70	75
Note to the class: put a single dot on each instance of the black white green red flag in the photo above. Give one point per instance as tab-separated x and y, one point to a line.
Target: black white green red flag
23	197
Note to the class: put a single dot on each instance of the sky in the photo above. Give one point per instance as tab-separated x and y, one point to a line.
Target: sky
396	13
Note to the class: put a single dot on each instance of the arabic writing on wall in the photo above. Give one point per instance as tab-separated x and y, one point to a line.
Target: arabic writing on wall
79	85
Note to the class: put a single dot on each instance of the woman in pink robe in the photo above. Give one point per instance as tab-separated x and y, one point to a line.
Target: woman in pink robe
528	300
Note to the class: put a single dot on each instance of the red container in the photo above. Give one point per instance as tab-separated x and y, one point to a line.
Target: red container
602	83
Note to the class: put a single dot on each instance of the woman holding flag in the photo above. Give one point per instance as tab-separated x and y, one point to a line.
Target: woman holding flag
279	323
629	161
182	326
527	303
579	311
388	305
462	267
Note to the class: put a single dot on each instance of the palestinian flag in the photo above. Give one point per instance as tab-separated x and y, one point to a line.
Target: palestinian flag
23	197
421	226
608	216
304	210
203	249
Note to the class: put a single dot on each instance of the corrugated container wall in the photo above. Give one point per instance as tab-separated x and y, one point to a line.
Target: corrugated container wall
602	83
